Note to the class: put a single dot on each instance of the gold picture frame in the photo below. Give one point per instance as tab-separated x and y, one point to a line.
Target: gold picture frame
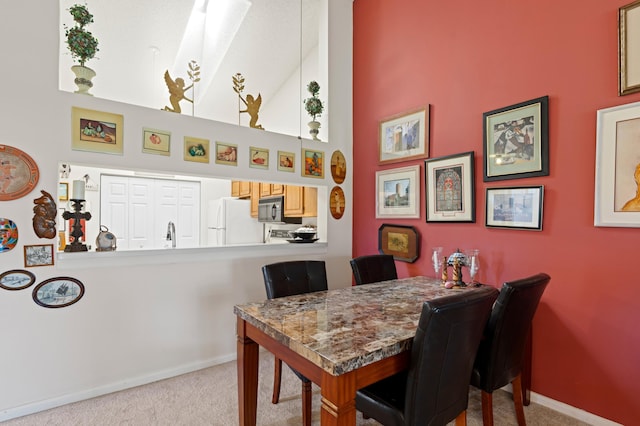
97	131
226	153
629	48
258	158
312	163
156	141
404	137
196	149
63	191
286	161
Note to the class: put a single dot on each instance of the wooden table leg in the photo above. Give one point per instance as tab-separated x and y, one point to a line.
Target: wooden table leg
526	369
338	399
247	351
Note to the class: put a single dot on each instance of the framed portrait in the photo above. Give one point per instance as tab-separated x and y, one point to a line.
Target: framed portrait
286	161
312	163
196	149
258	158
617	202
450	188
58	292
404	137
20	173
398	193
226	153
96	131
402	242
16	279
156	141
515	207
516	141
629	48
38	255
63	191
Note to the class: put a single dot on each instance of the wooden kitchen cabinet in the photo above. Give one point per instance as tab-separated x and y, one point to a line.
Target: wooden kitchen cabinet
235	188
255	198
240	188
265	190
277	189
300	201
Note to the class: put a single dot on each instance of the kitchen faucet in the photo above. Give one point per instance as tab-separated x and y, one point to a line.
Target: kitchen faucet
171	234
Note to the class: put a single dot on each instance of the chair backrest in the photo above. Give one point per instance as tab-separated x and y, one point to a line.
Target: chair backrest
442	355
294	277
373	268
501	352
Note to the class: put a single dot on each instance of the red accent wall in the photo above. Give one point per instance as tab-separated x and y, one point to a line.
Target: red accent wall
466	58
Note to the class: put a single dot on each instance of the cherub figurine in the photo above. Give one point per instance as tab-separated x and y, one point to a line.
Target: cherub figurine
253	107
176	89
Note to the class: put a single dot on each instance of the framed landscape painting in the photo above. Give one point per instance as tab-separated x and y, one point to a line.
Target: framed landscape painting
515	207
400	241
398	193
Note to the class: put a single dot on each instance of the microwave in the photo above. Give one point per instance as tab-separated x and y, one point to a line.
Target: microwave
271	210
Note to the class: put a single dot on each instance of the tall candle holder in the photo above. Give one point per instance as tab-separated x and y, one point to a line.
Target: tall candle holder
76	231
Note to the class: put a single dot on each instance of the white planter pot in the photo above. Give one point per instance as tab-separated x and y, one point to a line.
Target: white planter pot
314	126
83	79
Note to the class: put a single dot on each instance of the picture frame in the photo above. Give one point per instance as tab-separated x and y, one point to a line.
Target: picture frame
226	153
258	158
16	279
286	161
58	292
63	191
38	255
516	141
629	48
404	137
22	170
312	163
97	131
60	222
517	207
400	241
337	202
156	141
617	167
338	167
398	193
196	149
450	188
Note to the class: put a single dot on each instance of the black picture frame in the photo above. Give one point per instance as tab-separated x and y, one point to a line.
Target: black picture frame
16	279
517	207
400	241
516	141
58	292
450	188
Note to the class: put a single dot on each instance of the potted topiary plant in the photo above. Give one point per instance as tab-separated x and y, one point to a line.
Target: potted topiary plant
314	107
82	45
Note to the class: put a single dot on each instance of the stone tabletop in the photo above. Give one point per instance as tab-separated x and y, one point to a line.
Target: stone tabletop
344	329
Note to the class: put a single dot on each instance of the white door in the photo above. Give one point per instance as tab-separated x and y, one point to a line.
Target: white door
114	207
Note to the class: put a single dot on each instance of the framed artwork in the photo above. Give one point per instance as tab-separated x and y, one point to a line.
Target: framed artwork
403	242
338	167
38	255
96	131
337	202
19	173
398	193
156	141
404	137
312	163
450	188
61	223
517	207
16	279
226	153
629	48
58	292
63	191
258	158
286	161
617	202
196	149
516	141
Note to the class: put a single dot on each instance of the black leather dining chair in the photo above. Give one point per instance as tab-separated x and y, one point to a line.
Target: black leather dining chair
373	268
501	353
288	279
435	388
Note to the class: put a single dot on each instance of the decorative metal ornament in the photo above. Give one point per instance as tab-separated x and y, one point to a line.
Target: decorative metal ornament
252	104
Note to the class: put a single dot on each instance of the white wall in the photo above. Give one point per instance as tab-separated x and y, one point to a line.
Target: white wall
138	320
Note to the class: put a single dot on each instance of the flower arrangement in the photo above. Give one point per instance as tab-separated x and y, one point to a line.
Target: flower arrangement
81	43
313	105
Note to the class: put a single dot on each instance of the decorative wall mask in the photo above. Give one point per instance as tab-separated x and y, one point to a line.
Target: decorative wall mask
44	218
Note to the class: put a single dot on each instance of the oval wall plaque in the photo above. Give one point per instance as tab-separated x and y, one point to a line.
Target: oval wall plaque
16	279
8	234
58	292
18	173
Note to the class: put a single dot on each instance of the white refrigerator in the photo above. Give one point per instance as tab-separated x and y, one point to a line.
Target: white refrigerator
229	222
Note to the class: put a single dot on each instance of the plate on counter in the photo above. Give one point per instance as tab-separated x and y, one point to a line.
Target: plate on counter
300	240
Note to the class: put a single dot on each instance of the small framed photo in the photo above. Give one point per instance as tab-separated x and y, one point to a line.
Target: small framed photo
515	207
404	137
398	193
450	188
516	141
96	131
312	163
38	255
16	279
258	158
63	191
58	292
286	161
400	241
629	48
156	141
226	153
196	149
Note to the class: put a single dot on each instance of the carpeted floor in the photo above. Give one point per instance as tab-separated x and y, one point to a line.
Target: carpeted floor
209	397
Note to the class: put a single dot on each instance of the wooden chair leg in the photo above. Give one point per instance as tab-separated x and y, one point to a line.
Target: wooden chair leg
517	399
487	409
277	377
461	420
306	403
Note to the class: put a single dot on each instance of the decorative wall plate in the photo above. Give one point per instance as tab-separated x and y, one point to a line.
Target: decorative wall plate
18	173
58	292
8	234
16	279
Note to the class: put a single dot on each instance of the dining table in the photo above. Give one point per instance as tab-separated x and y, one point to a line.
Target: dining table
341	339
